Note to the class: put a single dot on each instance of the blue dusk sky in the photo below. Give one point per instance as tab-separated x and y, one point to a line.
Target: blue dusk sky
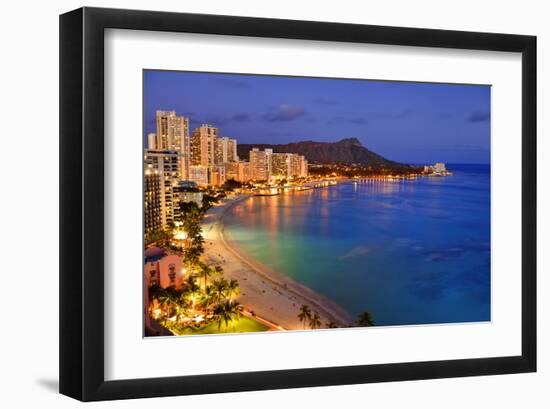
403	121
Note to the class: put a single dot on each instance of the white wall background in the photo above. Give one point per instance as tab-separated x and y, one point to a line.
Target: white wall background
29	205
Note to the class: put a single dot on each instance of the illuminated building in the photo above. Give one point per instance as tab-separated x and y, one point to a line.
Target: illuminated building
152	211
217	177
203	148
172	135
152	141
226	150
162	269
198	174
239	171
188	191
166	164
245	171
280	165
303	167
260	163
295	165
288	165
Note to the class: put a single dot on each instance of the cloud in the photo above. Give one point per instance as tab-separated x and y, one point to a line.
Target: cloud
195	121
217	120
240	117
391	115
364	119
284	112
466	147
278	134
325	101
479	117
232	82
357	120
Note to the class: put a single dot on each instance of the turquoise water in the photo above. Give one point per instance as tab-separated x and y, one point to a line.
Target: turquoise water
410	252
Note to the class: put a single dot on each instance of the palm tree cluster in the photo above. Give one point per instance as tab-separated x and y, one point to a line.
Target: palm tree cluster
309	317
205	295
365	319
313	320
160	237
190	218
199	301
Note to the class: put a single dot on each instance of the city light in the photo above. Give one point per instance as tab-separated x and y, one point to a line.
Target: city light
191	177
180	235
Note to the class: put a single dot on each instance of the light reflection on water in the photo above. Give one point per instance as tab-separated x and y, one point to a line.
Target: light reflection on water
410	252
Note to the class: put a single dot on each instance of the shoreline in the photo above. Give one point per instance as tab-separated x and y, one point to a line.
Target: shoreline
265	294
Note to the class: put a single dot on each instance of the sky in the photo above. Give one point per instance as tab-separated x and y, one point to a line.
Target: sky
403	121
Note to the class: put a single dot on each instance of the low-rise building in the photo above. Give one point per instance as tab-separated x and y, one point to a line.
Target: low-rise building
164	270
188	191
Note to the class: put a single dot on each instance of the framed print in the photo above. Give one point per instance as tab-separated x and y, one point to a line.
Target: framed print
332	203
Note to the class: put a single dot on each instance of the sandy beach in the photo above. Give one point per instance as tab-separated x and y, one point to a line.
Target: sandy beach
273	298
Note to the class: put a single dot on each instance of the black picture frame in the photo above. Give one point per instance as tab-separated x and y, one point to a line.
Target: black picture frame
82	200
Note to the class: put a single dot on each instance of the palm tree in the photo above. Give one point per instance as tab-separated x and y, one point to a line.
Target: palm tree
232	289
190	283
305	314
315	321
219	287
188	212
192	255
205	272
331	324
193	296
161	238
208	299
167	302
365	319
227	311
195	236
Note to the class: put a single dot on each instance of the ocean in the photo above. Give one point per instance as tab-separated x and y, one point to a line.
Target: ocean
409	252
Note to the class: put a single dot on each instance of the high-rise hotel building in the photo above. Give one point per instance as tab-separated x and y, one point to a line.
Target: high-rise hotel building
198	174
260	163
288	165
280	165
295	165
203	148
166	164
239	171
226	150
152	192
303	167
218	176
172	135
